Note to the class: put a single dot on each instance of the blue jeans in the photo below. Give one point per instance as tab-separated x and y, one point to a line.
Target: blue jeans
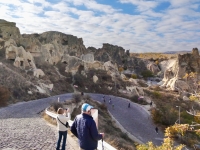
64	135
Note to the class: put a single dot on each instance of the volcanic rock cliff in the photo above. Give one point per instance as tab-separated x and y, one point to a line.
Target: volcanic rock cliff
53	62
37	65
184	75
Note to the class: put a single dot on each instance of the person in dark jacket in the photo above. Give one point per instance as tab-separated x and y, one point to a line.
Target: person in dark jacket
85	129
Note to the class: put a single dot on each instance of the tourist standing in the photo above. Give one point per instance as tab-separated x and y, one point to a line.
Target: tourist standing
62	129
85	129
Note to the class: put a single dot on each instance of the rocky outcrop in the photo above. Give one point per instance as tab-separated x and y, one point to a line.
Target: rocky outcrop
21	58
88	57
38	73
109	53
9	30
166	64
120	56
52	46
95	79
153	68
185	64
74	63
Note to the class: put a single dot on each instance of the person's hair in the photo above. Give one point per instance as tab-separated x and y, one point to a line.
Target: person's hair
60	111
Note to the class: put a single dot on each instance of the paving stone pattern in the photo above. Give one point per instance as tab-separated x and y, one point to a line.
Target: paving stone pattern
22	128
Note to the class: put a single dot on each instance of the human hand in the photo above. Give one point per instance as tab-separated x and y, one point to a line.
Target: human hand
68	110
102	135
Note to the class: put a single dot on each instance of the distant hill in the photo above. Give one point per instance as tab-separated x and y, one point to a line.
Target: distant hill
176	52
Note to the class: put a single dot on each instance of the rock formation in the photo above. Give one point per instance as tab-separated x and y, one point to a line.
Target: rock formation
21	58
39	55
153	67
175	75
120	56
9	30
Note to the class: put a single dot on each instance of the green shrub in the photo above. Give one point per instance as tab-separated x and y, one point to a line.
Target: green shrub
156	115
134	98
147	73
156	94
134	76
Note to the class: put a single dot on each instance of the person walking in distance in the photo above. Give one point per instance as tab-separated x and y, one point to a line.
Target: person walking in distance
113	106
110	101
151	104
85	129
129	105
156	129
62	129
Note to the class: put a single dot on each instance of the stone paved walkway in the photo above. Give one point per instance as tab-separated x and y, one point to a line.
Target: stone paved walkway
22	128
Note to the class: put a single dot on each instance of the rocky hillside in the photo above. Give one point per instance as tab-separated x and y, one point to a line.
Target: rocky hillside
40	65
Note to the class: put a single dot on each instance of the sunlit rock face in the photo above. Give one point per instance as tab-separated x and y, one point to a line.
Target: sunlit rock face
22	58
175	74
52	46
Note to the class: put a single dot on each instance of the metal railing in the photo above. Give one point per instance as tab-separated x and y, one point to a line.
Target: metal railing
105	145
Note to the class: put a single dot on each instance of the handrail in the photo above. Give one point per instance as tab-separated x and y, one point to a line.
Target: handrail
106	145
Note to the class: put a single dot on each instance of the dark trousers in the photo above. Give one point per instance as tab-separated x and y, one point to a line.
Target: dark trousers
64	135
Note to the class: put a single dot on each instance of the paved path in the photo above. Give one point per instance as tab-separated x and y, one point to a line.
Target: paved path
136	120
22	128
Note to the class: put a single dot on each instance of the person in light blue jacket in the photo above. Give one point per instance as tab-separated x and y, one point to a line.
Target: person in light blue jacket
85	129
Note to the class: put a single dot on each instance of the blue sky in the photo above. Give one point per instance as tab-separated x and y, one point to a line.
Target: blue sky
135	25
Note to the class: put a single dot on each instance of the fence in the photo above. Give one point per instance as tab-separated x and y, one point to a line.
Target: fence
105	145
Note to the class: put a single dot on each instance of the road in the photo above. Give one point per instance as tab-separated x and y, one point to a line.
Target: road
136	120
22	127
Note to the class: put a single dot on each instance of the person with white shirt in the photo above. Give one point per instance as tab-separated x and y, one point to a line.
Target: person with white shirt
62	129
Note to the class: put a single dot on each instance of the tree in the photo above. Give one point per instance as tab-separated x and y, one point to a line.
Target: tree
166	145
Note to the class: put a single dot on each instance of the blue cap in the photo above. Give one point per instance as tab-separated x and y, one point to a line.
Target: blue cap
86	107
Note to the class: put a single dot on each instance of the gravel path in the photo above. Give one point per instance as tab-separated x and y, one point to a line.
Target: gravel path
23	129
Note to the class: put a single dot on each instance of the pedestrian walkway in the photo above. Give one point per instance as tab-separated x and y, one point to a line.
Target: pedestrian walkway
22	128
30	134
